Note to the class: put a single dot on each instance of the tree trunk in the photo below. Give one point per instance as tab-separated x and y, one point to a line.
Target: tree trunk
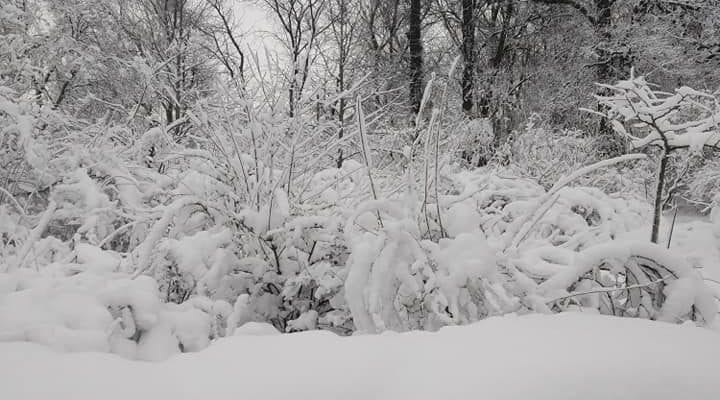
657	211
468	50
342	60
606	73
603	29
293	87
416	54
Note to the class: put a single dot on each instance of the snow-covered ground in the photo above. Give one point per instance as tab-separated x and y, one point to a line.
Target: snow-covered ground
695	239
565	356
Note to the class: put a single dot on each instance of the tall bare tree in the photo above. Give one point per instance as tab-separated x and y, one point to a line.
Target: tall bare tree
302	24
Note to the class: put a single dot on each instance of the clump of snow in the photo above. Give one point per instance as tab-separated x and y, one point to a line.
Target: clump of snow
337	186
256	329
305	322
97	258
195	255
98	310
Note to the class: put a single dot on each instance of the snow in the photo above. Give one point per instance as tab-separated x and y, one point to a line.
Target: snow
306	321
461	218
96	257
638	104
256	329
696	238
566	356
87	311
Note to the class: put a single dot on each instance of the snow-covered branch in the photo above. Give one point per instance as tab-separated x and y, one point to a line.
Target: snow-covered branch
686	118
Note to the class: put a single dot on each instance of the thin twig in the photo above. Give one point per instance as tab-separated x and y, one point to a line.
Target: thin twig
609	290
672	227
366	153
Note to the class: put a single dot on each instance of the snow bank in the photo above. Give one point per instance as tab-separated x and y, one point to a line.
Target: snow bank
106	312
567	356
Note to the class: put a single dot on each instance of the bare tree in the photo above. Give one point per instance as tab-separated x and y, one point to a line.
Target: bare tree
342	23
301	23
226	42
685	119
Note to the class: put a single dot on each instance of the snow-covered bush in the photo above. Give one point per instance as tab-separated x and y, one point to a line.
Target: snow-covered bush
634	279
475	141
545	155
704	182
398	281
495	201
509	240
362	266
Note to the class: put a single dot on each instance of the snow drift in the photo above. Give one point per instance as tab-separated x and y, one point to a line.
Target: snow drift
566	356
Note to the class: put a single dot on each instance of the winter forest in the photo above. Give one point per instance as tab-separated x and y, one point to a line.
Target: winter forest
360	199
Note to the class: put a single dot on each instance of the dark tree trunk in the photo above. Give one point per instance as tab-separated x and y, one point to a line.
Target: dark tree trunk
416	54
468	50
659	189
344	39
606	72
293	86
603	29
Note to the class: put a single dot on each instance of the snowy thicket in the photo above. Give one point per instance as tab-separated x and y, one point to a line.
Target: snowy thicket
158	247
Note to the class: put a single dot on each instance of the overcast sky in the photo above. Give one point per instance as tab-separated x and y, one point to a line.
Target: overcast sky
255	25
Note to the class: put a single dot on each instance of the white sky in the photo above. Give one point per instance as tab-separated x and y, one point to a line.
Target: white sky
255	24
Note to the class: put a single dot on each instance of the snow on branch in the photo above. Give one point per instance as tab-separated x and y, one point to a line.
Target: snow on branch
680	288
686	118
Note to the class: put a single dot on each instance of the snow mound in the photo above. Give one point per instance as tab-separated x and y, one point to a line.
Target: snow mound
566	356
87	311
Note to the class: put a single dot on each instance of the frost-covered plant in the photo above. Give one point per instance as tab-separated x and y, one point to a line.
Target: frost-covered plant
705	182
577	216
486	199
685	119
546	154
399	281
641	270
475	141
512	247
